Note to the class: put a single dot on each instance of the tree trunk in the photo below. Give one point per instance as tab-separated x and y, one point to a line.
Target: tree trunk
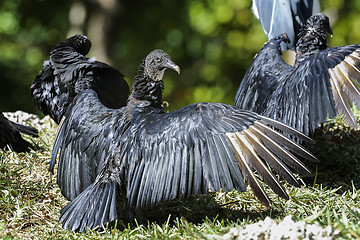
99	27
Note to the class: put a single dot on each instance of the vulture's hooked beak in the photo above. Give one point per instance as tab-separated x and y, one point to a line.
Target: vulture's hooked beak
170	64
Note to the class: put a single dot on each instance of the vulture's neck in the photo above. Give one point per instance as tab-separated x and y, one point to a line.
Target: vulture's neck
312	40
146	89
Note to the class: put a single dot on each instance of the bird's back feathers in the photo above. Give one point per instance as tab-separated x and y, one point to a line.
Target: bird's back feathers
262	77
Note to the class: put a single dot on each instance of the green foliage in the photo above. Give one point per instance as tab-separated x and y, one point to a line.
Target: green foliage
28	31
211	40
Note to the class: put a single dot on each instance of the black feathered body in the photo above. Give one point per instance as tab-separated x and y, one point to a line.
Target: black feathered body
148	156
10	135
320	85
69	72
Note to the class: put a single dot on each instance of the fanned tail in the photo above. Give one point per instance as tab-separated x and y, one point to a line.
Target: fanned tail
93	208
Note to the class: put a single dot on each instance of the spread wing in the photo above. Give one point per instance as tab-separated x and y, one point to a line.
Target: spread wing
85	138
67	74
208	146
79	72
322	86
262	77
284	16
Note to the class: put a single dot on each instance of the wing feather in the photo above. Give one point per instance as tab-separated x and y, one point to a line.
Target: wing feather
284	155
265	153
161	175
224	169
247	172
198	170
184	170
170	171
298	149
340	100
254	161
319	87
237	176
214	171
209	146
177	172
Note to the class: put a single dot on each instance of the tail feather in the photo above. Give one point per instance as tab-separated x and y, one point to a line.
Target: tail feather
94	207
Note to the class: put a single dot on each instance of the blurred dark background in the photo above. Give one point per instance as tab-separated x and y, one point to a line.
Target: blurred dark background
213	41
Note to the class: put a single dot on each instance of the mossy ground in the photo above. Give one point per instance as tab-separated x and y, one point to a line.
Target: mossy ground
30	200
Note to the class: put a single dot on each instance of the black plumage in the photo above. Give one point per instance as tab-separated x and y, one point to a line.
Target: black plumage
68	72
10	135
284	16
321	84
148	156
262	77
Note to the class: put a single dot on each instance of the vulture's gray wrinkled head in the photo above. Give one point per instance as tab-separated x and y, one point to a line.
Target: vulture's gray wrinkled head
157	62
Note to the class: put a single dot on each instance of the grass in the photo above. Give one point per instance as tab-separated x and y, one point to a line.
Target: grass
30	200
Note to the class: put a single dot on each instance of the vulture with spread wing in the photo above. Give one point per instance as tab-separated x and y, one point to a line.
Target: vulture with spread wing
323	82
147	156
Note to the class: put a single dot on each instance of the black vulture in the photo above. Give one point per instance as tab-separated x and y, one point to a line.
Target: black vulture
284	16
322	83
68	72
10	135
147	156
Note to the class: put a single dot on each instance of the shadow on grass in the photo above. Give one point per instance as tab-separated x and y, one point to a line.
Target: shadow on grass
198	209
338	149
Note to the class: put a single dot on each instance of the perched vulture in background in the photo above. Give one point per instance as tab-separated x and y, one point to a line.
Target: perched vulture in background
284	17
10	135
68	72
140	153
322	83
